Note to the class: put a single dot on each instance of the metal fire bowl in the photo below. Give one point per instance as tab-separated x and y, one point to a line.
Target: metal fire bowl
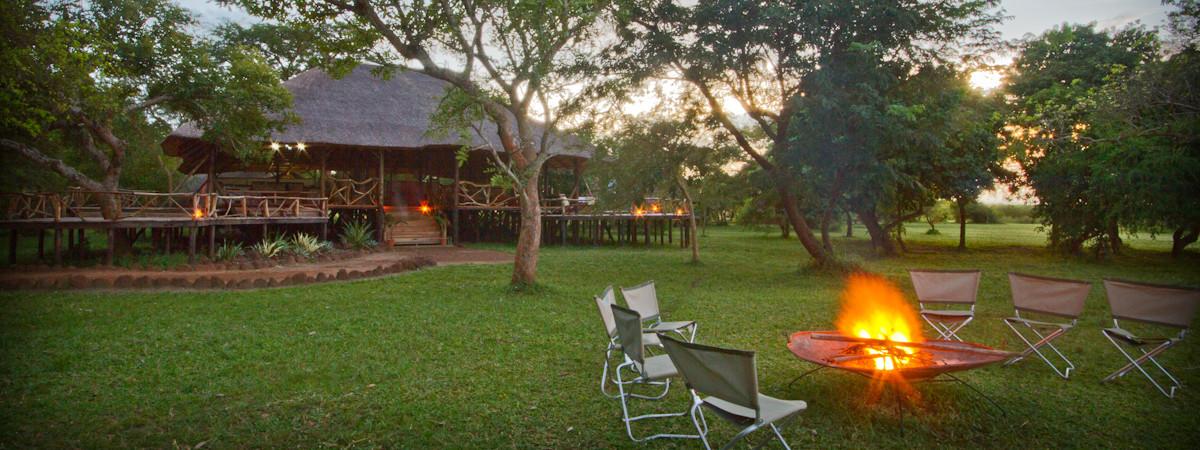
933	358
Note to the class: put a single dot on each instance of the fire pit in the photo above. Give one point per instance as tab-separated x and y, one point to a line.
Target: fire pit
908	360
879	336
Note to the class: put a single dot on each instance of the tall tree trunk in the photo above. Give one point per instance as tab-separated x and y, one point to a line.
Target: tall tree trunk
687	197
1114	238
849	225
879	236
962	223
1183	237
530	235
803	232
785	230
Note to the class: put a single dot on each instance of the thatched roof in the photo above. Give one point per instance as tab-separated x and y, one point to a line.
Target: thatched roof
364	111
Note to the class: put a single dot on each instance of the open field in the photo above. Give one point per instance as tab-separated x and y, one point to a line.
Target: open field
447	357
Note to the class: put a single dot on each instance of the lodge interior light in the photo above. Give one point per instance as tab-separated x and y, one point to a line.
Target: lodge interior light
300	146
275	146
424	208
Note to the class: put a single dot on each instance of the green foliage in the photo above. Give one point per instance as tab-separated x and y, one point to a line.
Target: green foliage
271	246
358	235
981	213
90	88
292	48
307	245
939	212
1014	213
229	250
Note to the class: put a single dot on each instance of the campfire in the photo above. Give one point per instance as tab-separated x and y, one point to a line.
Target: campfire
879	335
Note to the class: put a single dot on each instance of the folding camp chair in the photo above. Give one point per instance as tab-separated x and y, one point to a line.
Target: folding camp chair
946	287
643	298
604	303
1045	296
729	378
1169	306
647	370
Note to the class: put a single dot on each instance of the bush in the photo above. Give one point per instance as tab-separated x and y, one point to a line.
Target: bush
357	235
980	213
228	251
307	245
271	246
1014	213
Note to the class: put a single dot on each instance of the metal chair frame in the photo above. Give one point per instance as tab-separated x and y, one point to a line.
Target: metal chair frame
635	368
947	330
1145	356
656	320
1043	341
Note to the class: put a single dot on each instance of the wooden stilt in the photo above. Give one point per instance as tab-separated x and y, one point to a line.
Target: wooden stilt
212	242
192	244
57	246
12	246
41	245
112	247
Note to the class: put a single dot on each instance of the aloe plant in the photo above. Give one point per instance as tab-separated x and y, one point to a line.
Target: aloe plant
357	235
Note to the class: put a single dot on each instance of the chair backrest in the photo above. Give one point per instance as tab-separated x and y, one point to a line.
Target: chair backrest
1151	303
945	286
604	304
643	299
1055	296
726	374
609	295
629	333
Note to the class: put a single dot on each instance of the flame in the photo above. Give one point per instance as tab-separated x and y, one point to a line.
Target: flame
424	208
679	211
873	308
639	212
197	213
655	208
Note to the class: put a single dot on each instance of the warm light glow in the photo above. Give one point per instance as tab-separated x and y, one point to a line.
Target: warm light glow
275	146
197	213
679	211
873	308
639	212
655	208
424	208
986	80
300	146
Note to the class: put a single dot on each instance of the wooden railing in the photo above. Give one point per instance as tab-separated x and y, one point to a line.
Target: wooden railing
88	206
229	206
350	192
484	196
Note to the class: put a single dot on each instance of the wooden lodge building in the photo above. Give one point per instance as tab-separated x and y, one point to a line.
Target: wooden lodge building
361	150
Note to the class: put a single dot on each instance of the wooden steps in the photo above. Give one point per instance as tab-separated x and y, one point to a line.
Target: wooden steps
414	229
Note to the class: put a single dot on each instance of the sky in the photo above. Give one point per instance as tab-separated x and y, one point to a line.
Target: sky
1028	16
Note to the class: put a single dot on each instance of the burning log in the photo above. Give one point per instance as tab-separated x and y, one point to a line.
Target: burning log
951	346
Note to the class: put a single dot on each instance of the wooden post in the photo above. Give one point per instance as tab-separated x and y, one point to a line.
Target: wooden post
112	246
57	245
169	232
212	242
12	246
192	244
454	201
324	156
41	244
379	233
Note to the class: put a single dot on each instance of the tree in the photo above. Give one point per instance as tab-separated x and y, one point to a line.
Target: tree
757	54
83	81
660	156
295	47
1056	79
507	60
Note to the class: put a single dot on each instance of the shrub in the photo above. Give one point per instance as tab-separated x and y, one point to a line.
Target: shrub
1015	213
228	251
980	213
307	245
271	246
357	235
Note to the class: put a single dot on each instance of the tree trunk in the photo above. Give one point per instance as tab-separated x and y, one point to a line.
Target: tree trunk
803	232
1114	238
849	225
1182	238
879	236
687	197
785	230
825	240
962	223
530	235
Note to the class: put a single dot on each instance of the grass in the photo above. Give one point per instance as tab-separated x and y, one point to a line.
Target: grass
448	356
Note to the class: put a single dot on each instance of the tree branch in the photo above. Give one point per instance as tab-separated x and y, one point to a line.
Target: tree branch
55	165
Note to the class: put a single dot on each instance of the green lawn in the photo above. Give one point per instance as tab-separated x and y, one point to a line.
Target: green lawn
447	357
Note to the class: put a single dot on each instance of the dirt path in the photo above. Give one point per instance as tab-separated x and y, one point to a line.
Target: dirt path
210	276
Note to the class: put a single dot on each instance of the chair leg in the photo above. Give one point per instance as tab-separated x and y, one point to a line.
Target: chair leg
1137	364
700	431
1035	348
604	375
629	420
945	330
742	434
